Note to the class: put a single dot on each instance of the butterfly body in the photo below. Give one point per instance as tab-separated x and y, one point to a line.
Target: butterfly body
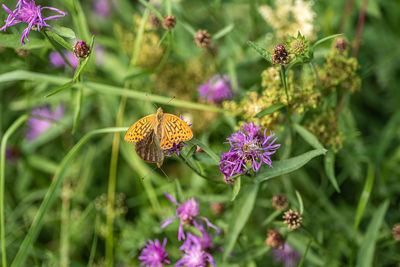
165	128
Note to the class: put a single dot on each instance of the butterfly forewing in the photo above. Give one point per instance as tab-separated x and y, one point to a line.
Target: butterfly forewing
149	149
174	130
140	129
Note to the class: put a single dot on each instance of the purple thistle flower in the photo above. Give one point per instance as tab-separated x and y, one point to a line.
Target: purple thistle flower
249	150
287	255
217	89
27	11
154	254
205	241
187	213
12	155
195	256
42	119
102	8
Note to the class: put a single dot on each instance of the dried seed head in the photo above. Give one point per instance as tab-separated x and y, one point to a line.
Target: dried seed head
298	46
154	21
280	202
81	50
217	208
280	56
22	52
341	44
169	22
202	38
292	219
396	232
274	239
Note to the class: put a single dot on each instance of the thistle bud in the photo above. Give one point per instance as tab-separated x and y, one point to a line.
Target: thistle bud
217	208
280	202
154	21
341	45
280	56
396	232
169	22
292	219
81	50
202	38
274	239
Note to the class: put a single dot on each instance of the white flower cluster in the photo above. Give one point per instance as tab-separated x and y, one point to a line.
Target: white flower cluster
289	17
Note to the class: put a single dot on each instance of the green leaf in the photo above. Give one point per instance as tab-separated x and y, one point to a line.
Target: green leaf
288	165
366	252
59	89
14	41
329	163
64	32
206	149
178	191
317	43
78	107
300	200
152	9
262	51
239	216
80	21
269	110
307	136
223	32
83	63
58	39
236	188
362	203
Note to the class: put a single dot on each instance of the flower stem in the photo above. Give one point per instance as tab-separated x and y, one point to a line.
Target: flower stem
57	49
288	108
315	72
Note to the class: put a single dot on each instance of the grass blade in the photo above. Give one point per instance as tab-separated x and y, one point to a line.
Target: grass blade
221	33
269	110
206	149
329	163
311	139
300	200
240	214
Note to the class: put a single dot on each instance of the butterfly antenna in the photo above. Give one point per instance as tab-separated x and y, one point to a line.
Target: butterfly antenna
152	170
171	99
169	179
147	95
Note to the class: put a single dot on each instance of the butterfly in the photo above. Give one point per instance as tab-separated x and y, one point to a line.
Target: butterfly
149	149
168	128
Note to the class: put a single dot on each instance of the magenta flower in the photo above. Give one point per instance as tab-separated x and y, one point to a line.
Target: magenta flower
288	256
205	241
42	118
187	213
102	8
195	256
217	89
250	148
27	11
154	254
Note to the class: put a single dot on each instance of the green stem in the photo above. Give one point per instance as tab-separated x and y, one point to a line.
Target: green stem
52	192
64	240
57	49
288	106
3	146
112	177
315	72
303	258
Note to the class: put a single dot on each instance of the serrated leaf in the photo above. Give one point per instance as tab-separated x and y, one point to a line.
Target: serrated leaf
262	51
366	252
288	165
236	188
14	41
241	212
307	136
329	164
269	110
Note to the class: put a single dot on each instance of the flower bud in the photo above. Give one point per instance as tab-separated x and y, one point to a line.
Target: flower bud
280	202
292	219
217	208
81	50
169	22
274	239
154	21
280	56
202	38
396	232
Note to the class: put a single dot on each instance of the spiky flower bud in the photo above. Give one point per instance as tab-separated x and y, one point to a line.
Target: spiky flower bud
280	202
396	232
274	239
280	56
292	219
81	50
154	21
217	208
169	22
298	47
341	45
202	38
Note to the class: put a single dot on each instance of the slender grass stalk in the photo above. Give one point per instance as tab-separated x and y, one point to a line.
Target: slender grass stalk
312	66
112	177
288	106
303	258
3	146
64	240
94	243
52	192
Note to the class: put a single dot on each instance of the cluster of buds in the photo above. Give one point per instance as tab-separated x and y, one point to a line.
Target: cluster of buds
202	38
281	55
396	232
81	50
169	22
341	45
274	239
292	219
280	202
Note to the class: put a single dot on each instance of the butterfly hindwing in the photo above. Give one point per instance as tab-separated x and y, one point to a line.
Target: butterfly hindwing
140	129
149	149
174	130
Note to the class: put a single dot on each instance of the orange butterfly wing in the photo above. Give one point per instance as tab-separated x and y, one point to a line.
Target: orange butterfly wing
174	130
139	129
